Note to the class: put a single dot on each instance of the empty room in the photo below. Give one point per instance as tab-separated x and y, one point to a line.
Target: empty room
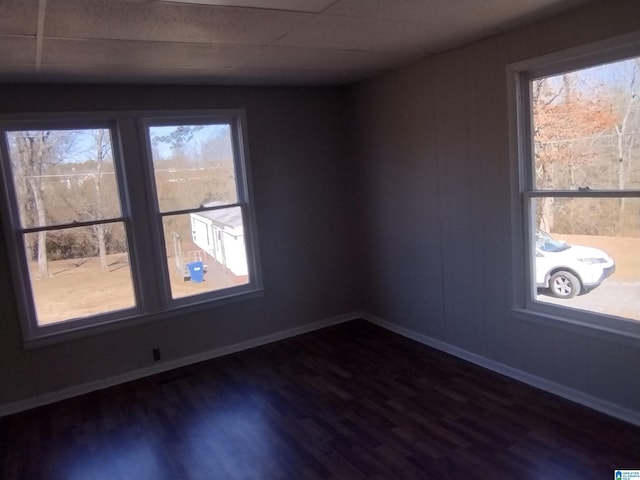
319	239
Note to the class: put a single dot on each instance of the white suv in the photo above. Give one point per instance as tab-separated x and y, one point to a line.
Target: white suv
567	270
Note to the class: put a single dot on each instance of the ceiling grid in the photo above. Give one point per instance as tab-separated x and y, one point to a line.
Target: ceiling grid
241	42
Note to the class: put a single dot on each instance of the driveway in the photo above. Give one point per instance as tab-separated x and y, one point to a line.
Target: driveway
611	297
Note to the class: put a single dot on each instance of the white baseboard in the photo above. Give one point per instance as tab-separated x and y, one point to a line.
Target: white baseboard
84	388
576	396
582	398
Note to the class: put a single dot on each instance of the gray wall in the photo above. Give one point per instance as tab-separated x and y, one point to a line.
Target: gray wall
410	221
431	146
298	153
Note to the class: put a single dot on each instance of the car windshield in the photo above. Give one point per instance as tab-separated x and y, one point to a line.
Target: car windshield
546	243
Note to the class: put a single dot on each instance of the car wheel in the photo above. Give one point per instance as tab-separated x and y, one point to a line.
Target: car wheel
564	285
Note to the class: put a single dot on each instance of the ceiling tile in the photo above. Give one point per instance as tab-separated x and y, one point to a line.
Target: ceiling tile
315	6
142	75
449	23
18	17
136	20
349	33
319	59
281	77
151	41
144	54
444	11
17	73
17	49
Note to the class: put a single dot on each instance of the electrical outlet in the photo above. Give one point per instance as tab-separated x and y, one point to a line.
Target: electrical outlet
156	354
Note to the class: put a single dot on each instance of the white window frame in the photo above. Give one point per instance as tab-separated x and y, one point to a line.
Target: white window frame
140	214
519	77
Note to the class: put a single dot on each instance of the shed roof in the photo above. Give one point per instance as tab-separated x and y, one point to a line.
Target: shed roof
226	217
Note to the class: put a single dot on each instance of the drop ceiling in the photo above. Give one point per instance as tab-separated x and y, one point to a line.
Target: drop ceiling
241	42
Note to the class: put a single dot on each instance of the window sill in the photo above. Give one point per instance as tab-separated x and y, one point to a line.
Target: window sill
82	331
612	329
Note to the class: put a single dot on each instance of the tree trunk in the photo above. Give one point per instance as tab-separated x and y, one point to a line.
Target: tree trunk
99	140
624	151
546	212
43	264
102	248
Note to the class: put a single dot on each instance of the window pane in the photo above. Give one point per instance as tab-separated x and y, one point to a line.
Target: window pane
193	165
587	254
586	128
81	272
206	251
61	176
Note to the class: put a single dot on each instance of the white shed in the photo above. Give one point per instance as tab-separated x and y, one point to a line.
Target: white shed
220	233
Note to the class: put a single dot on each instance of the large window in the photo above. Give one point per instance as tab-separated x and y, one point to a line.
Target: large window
579	187
125	217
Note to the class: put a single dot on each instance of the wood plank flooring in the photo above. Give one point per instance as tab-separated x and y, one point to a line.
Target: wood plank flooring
348	402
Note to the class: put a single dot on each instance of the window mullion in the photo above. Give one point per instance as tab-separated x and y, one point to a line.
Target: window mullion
143	231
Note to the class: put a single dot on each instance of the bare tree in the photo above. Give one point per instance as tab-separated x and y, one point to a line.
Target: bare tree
564	115
629	121
103	151
36	150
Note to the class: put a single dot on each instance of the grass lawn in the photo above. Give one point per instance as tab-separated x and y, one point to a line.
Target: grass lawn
78	288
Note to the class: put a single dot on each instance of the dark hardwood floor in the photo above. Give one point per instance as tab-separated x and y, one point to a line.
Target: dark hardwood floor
351	402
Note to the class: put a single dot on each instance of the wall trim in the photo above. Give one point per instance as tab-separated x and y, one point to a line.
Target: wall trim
573	395
603	406
66	393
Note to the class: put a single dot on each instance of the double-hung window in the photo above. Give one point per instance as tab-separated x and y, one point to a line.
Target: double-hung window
577	187
115	217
